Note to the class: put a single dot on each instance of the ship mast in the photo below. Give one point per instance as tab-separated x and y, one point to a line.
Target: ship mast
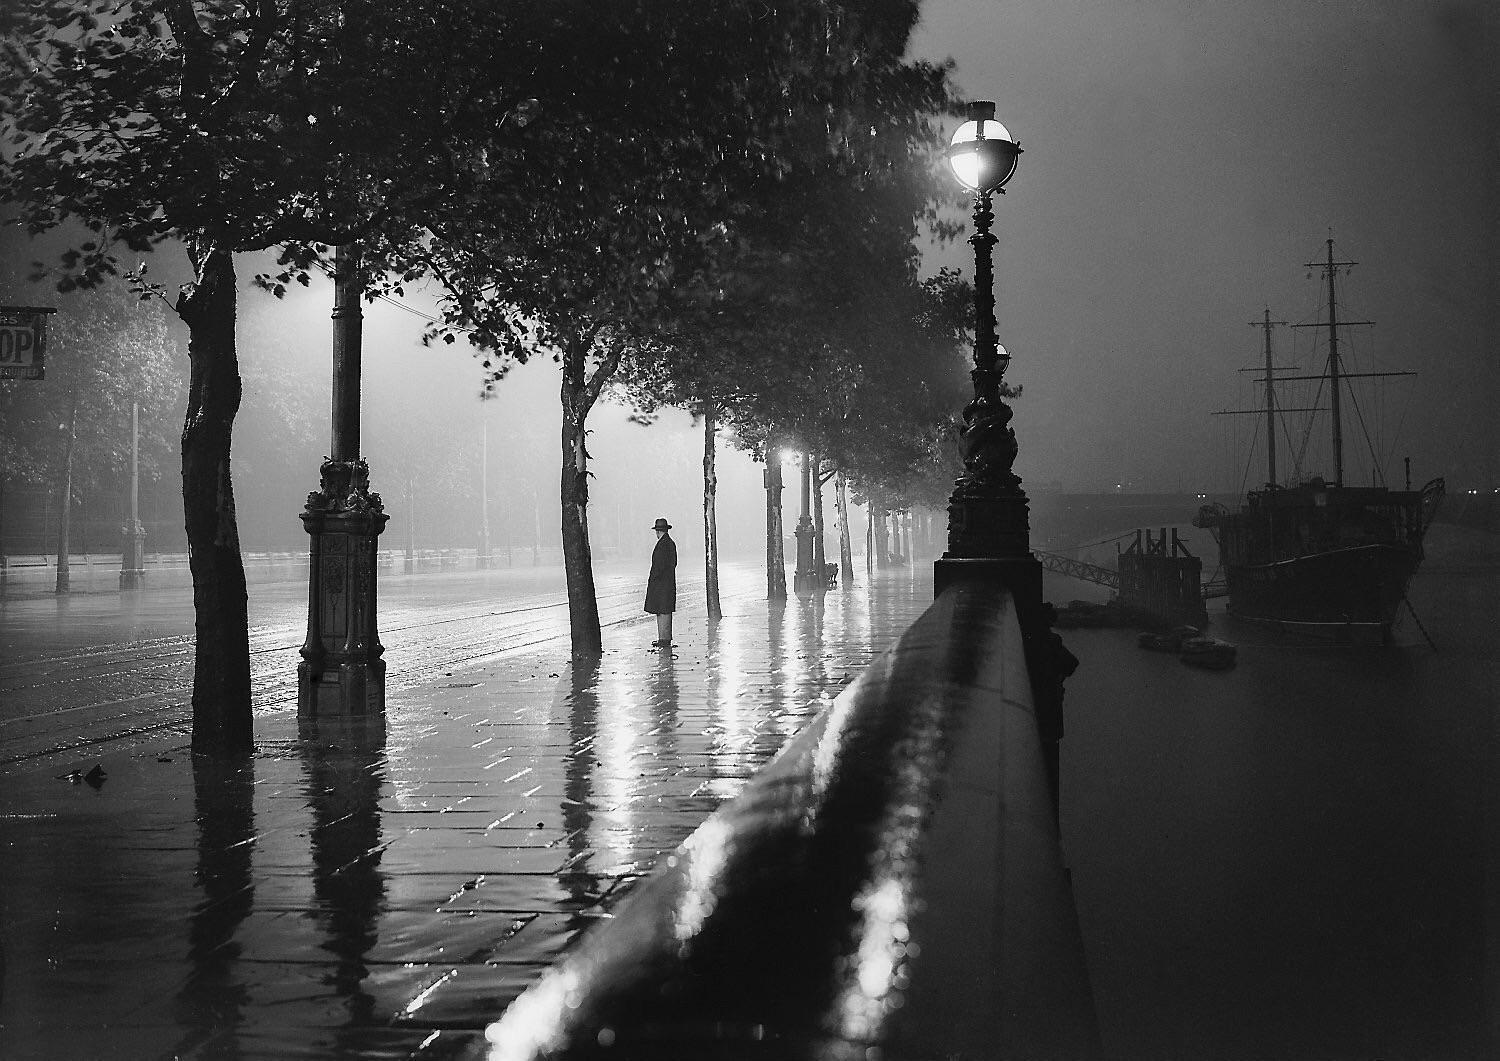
1333	373
1267	324
1329	268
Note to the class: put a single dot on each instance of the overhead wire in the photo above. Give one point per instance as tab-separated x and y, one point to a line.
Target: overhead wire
327	270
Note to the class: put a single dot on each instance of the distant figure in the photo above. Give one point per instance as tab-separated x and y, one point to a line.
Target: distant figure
661	586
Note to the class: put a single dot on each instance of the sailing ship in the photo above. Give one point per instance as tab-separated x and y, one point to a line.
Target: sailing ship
1317	553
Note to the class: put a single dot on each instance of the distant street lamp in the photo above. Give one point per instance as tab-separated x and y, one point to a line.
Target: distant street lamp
804	579
988	523
483	561
133	550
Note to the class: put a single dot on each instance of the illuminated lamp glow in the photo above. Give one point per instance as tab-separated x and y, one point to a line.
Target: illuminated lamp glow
983	155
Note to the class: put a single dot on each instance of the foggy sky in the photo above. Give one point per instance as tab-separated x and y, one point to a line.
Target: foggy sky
422	421
1182	160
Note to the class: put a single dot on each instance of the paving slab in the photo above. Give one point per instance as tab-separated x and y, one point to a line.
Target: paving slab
372	893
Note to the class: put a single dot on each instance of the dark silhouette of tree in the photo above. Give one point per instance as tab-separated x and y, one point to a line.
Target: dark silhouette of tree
773	347
829	341
665	134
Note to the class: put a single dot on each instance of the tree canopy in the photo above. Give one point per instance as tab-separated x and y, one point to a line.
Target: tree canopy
593	180
104	352
249	125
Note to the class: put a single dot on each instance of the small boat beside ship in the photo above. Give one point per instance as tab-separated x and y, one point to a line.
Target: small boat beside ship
1171	641
1208	652
1321	553
1191	646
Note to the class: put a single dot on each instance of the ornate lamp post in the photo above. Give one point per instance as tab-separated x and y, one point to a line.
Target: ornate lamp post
988	520
342	672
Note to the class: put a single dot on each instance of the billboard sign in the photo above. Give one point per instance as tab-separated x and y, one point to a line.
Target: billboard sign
23	341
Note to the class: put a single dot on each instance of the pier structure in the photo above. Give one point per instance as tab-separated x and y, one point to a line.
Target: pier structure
1161	581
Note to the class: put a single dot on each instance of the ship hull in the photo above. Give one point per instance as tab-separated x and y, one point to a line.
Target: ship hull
1359	585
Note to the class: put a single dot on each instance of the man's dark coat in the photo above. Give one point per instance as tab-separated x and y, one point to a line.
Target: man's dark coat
661	586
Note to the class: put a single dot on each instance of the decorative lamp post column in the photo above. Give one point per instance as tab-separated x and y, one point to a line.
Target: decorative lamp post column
987	515
342	672
988	520
410	560
803	579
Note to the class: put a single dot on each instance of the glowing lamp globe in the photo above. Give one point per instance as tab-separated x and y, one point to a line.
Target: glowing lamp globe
982	153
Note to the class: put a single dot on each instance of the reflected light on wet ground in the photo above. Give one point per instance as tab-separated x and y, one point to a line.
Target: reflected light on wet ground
352	893
820	853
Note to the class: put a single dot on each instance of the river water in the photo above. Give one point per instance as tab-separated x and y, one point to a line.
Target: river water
1290	859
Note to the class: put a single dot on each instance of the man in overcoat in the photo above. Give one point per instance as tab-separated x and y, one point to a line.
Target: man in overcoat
661	585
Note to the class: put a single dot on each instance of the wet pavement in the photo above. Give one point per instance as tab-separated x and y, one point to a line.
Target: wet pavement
381	891
1291	860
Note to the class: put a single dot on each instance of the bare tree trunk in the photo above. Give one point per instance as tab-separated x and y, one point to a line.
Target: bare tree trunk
820	548
846	552
869	537
221	665
775	547
578	561
710	515
65	489
580	390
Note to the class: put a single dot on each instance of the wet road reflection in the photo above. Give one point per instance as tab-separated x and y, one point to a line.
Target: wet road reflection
355	892
75	670
344	764
581	706
213	998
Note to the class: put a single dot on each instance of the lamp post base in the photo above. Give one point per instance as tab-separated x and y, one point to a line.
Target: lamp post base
349	690
996	526
342	672
805	580
133	556
1022	575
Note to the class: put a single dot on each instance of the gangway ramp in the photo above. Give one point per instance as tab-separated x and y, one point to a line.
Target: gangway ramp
1066	565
